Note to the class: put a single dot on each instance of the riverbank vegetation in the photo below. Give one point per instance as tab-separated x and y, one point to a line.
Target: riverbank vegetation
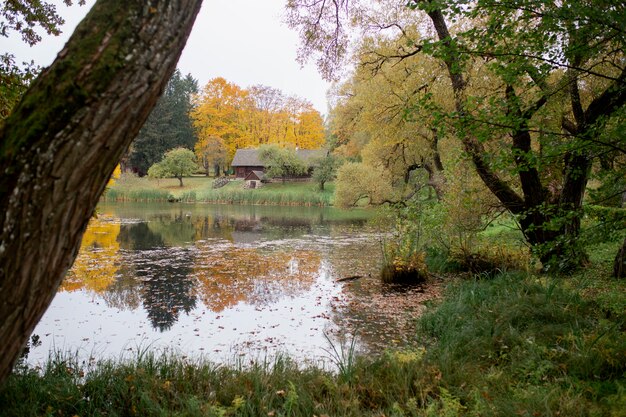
515	344
200	189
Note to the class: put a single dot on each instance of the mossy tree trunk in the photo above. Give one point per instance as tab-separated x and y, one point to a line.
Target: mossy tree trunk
63	141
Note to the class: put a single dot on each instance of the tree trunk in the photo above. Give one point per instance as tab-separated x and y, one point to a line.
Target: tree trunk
180	181
63	141
537	212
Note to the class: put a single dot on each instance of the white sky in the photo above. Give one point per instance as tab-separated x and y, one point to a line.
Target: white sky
243	41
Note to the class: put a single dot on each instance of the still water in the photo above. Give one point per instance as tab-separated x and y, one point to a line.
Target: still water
225	281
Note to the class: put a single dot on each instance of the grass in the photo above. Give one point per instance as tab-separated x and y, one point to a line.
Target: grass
515	345
199	189
297	193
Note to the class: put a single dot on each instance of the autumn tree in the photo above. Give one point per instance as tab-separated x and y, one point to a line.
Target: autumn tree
64	138
168	126
375	117
260	115
220	113
558	78
357	182
177	163
211	152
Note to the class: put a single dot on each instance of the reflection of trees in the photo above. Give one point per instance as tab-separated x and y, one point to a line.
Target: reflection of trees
123	294
228	275
98	259
162	273
212	227
175	229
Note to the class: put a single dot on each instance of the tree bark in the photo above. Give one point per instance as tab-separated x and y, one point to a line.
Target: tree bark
63	141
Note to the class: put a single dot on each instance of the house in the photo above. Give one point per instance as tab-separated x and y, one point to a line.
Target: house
247	160
254	179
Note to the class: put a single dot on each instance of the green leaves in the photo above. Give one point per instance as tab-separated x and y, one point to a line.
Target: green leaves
178	163
168	126
281	162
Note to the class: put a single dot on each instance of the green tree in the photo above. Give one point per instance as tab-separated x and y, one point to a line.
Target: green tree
325	169
168	126
281	162
357	181
66	136
23	19
177	163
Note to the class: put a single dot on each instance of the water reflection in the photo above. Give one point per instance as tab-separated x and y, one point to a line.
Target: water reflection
204	278
160	269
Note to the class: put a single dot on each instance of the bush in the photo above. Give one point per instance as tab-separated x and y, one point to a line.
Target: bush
491	260
403	269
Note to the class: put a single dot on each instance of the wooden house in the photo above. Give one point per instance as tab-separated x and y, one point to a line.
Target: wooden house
247	160
254	179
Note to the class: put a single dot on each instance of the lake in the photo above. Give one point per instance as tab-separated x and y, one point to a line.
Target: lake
225	281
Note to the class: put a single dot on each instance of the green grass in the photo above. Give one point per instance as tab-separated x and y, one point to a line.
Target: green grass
297	193
199	189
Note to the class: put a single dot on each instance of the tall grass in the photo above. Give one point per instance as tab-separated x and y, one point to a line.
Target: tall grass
305	194
147	195
199	189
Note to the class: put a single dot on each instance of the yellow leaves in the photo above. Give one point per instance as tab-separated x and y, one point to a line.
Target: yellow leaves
238	402
248	118
117	172
96	265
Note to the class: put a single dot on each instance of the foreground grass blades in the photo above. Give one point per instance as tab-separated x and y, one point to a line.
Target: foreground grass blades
515	345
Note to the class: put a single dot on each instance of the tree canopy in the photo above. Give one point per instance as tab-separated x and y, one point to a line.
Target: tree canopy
168	126
23	19
532	88
259	115
281	162
176	163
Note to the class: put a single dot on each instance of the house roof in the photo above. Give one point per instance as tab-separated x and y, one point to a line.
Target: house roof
255	175
247	158
250	157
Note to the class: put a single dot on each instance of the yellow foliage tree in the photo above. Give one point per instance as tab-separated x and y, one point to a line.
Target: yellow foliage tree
249	118
115	176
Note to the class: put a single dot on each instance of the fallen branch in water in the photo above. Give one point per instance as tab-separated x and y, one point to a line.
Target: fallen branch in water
352	278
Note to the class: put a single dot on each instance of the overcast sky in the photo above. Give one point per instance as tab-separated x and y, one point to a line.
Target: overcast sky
243	41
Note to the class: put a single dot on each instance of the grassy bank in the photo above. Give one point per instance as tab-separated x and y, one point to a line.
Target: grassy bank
515	345
199	189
